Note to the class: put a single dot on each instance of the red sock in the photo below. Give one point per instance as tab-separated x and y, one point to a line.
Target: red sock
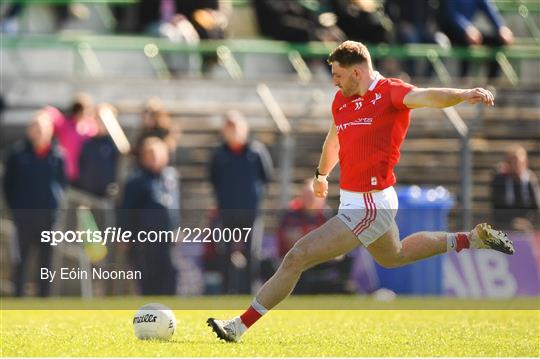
462	241
250	316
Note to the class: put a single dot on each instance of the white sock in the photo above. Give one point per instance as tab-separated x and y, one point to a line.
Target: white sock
258	307
241	326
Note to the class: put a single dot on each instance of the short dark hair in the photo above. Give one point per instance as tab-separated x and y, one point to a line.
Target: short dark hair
81	102
350	53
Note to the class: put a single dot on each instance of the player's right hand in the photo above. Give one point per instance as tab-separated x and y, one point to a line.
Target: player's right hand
320	188
477	95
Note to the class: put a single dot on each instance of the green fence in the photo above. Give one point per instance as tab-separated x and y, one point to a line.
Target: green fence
509	58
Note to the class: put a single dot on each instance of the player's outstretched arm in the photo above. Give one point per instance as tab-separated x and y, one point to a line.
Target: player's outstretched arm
329	159
446	97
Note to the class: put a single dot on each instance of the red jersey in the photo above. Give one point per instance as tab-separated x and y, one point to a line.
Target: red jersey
371	129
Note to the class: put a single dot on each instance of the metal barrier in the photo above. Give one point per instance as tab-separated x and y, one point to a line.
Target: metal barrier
226	50
287	142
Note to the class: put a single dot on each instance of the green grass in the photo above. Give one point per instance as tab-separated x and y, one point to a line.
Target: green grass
281	333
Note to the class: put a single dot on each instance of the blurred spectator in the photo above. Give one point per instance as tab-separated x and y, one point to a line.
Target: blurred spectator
515	192
162	18
98	161
156	122
151	202
209	17
415	22
9	22
305	213
456	21
239	170
40	16
361	21
151	14
296	21
184	22
178	29
33	186
72	130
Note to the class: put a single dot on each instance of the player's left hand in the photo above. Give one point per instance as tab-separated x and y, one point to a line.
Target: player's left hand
477	95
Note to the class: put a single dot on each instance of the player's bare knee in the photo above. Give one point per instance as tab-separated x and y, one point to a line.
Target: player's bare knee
295	260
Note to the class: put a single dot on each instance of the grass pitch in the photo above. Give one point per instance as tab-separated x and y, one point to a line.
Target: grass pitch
313	333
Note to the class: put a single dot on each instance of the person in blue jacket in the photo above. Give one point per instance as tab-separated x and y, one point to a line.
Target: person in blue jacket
98	161
456	21
239	170
151	202
34	182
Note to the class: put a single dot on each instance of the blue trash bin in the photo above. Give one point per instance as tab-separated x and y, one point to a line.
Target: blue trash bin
420	209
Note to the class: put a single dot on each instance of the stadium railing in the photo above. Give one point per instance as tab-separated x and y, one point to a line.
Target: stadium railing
509	58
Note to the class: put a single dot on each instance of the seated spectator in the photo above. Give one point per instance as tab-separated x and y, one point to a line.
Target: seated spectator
98	161
9	18
294	21
51	18
305	213
184	22
361	21
72	130
178	29
150	14
33	185
456	21
209	17
151	202
515	192
415	22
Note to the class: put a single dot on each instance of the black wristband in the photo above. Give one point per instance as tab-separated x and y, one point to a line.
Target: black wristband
317	173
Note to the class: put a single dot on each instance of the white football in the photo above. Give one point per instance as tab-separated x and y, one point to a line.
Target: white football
154	321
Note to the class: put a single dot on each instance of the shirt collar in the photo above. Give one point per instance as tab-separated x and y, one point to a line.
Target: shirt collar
375	81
